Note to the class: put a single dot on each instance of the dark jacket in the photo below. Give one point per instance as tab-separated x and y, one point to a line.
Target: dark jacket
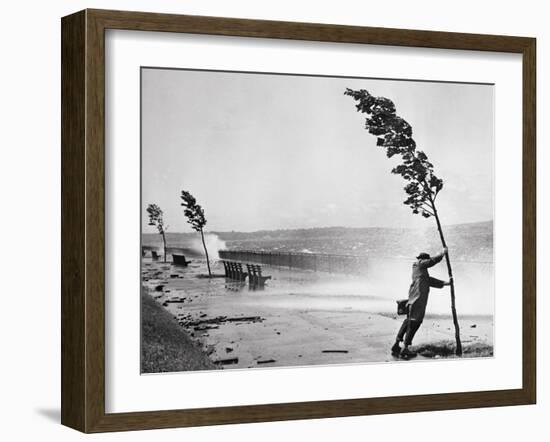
420	286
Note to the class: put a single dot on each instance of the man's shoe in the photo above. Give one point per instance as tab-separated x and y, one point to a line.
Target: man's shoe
407	354
396	349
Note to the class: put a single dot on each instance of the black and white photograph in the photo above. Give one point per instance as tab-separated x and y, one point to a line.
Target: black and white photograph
255	221
303	220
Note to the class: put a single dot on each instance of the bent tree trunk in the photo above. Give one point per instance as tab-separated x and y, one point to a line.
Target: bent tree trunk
206	253
164	244
450	271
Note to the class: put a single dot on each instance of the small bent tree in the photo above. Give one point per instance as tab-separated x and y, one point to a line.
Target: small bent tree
156	219
395	136
195	216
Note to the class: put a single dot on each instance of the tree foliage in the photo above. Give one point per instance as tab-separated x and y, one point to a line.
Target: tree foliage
156	217
195	216
193	211
394	134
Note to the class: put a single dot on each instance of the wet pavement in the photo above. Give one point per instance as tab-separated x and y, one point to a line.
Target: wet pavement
300	318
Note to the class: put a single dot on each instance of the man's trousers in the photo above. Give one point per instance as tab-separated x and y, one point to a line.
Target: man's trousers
408	330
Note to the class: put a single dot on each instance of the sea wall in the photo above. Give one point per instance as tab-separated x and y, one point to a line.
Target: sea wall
346	264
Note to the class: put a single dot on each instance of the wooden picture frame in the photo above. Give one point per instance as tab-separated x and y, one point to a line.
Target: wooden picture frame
83	220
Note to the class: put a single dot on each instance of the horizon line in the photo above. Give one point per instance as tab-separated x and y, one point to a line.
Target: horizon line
325	227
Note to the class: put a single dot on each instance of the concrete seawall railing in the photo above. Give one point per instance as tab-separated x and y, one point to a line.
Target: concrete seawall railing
346	264
353	264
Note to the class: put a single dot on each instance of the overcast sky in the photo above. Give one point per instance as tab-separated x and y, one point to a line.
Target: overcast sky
266	151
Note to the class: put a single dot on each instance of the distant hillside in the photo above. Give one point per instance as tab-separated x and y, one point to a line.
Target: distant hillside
467	242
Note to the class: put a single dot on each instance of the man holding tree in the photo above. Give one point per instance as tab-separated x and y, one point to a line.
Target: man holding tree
418	300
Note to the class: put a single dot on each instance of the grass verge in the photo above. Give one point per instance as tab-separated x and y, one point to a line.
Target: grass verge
446	349
165	347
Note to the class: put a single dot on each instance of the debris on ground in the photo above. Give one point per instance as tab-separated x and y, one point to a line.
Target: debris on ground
175	300
228	361
219	320
206	327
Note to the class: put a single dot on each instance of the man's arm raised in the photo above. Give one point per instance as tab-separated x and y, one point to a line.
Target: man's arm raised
427	263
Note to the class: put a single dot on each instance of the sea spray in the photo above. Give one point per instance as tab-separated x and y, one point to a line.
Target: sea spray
213	243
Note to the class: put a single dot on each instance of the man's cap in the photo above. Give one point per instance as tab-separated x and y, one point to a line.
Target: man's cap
423	255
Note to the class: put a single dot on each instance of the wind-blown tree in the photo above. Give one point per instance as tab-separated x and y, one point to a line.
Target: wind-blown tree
156	219
195	216
394	134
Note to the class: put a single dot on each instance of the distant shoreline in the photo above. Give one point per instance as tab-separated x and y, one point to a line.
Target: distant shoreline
472	242
327	229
